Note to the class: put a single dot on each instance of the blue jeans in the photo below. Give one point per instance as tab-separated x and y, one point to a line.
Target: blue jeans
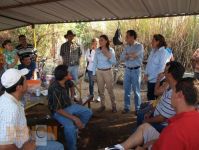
150	91
132	80
70	129
74	72
91	82
51	145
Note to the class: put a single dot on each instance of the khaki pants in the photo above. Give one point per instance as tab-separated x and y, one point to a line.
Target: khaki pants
105	78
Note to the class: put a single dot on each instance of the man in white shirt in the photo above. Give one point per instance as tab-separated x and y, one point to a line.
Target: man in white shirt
14	133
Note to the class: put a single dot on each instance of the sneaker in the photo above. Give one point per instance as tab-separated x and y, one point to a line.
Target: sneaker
98	99
101	109
115	147
126	111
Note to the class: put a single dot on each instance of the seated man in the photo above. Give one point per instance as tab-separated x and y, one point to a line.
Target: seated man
71	116
27	63
182	131
14	134
157	118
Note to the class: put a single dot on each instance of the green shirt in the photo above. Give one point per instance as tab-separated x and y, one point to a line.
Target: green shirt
10	57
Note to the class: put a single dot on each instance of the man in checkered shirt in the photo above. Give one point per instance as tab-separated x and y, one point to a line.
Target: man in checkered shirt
71	53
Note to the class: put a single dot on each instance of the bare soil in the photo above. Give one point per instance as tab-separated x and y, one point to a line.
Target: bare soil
106	129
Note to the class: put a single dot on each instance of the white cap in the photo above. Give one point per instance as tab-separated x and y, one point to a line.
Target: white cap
11	76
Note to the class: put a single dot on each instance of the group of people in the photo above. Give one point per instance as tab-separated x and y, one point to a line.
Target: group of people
22	56
165	125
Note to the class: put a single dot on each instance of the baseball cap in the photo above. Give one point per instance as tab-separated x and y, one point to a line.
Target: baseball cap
11	76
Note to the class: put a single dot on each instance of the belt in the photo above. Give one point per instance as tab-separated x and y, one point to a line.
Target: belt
132	68
104	69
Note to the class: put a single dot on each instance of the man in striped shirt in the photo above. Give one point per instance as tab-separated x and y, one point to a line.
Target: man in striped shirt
25	49
173	73
163	110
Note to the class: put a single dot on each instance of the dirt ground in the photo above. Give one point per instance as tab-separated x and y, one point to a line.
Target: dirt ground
106	129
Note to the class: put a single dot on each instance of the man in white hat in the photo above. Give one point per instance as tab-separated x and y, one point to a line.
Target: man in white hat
14	132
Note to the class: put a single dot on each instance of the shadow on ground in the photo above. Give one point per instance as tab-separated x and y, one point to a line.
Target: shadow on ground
106	129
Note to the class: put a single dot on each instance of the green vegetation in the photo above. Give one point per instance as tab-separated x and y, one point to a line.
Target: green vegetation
181	34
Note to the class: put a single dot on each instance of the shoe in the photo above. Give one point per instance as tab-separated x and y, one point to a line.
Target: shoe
101	109
87	99
114	110
98	99
125	111
115	147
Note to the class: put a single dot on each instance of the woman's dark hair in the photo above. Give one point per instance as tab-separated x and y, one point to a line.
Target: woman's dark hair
176	69
106	38
13	88
60	72
5	43
132	33
161	39
190	89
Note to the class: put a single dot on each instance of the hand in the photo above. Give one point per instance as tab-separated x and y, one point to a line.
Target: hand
78	122
132	55
106	53
147	116
145	78
127	56
160	76
29	145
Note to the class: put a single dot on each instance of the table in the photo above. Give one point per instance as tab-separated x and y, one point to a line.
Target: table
37	113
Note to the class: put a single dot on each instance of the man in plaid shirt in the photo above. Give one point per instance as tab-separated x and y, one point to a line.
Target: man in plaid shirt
71	53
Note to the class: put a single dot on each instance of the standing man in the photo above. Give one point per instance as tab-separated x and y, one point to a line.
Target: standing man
133	57
195	63
71	53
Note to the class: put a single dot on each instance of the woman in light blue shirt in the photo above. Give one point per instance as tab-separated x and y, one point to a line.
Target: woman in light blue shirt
155	64
103	61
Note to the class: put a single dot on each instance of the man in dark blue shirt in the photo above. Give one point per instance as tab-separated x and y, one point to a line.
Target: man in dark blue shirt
26	62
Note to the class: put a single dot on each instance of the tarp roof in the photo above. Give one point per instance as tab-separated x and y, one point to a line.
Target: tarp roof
17	13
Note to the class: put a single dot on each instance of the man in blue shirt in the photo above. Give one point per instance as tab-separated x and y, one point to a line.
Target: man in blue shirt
133	57
30	65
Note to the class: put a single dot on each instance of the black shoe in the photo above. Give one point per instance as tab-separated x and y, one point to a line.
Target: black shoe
114	110
101	109
125	111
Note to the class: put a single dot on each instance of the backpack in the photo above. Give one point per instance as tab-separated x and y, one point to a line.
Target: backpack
117	39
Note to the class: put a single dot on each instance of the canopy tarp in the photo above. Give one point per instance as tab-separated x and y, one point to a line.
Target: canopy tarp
18	13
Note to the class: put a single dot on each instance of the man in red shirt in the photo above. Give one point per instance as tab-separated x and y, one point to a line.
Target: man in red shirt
182	132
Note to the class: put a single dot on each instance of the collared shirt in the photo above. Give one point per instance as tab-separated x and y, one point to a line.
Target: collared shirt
13	125
135	48
10	57
70	53
31	69
164	107
181	133
90	54
156	63
101	61
58	96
